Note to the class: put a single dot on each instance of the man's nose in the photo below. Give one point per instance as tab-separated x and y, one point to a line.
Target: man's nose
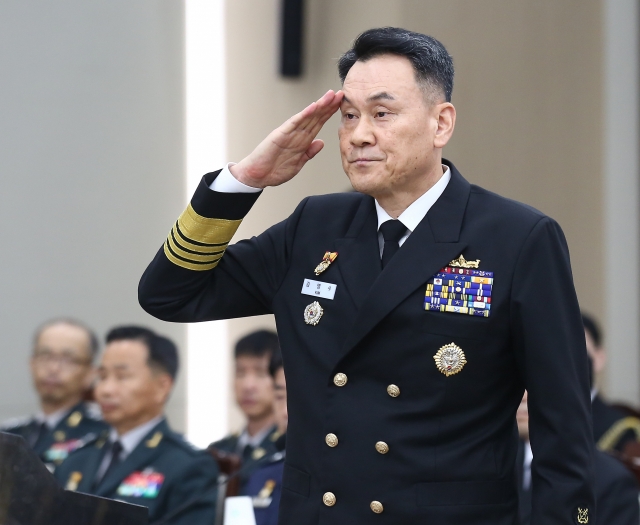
363	133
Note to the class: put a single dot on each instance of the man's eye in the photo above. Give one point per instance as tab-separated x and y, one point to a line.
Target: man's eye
350	116
381	114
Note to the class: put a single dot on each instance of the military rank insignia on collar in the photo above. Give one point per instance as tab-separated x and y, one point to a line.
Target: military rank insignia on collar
328	258
74	419
459	289
145	484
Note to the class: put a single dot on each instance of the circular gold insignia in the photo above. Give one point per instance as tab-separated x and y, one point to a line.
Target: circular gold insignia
393	391
59	435
258	453
313	313
382	447
340	379
377	507
450	359
329	499
331	440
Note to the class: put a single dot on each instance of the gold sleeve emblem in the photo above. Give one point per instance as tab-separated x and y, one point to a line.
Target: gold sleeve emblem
583	515
450	359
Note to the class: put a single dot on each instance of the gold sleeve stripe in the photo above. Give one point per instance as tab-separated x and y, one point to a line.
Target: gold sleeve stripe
194	249
205	231
611	437
198	243
179	261
177	250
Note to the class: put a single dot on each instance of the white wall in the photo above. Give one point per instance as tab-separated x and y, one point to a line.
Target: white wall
91	167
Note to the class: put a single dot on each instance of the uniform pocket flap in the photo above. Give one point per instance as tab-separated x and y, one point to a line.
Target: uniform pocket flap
296	480
465	493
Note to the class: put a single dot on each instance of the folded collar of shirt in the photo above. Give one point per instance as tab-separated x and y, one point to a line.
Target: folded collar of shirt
412	216
130	440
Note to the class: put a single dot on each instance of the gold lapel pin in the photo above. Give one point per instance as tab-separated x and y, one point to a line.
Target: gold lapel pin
328	258
461	262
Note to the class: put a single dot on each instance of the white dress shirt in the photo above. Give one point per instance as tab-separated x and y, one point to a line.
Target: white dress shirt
51	420
526	467
255	440
225	182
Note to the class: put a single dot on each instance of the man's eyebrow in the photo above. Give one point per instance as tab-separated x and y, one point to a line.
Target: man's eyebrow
383	95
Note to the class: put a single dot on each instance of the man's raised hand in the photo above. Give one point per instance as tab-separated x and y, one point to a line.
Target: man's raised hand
284	152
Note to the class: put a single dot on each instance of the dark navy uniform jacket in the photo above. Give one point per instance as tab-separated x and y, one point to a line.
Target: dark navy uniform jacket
81	424
377	432
265	488
615	487
165	473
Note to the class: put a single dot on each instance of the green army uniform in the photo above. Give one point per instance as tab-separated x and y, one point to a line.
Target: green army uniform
165	473
81	424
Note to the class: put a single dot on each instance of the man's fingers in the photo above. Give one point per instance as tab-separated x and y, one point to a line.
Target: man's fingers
315	148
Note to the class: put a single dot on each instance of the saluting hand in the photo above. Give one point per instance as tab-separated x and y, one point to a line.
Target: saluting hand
284	152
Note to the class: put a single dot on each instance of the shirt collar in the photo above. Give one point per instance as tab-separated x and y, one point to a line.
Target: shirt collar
412	216
52	419
255	440
130	440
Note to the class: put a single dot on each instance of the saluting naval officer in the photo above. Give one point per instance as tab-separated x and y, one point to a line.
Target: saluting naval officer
63	372
411	314
139	459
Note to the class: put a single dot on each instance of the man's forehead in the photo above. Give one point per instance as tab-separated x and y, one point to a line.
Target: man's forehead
387	77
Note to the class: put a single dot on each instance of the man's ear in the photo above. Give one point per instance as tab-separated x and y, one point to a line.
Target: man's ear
165	384
445	115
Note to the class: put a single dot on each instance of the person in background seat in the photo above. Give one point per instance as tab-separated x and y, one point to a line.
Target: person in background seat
254	395
139	459
62	371
265	484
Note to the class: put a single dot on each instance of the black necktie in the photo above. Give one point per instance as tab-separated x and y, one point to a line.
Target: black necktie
392	231
247	451
116	449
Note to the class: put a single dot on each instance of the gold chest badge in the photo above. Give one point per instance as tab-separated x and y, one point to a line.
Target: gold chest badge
328	258
450	359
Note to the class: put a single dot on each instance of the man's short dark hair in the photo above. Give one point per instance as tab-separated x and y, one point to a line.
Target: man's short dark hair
275	363
592	328
94	344
430	60
258	344
163	353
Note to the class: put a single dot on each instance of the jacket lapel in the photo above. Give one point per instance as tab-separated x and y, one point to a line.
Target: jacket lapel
139	458
359	252
430	247
92	465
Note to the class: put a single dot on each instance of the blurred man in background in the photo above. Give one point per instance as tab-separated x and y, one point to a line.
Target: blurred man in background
140	459
62	371
615	487
612	428
265	484
254	394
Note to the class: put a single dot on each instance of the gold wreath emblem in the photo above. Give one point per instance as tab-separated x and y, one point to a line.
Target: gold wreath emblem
450	359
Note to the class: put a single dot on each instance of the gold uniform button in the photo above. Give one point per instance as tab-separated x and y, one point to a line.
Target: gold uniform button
382	447
329	499
340	379
376	507
331	440
393	391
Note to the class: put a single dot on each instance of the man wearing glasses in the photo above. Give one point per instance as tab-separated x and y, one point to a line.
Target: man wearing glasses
62	371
